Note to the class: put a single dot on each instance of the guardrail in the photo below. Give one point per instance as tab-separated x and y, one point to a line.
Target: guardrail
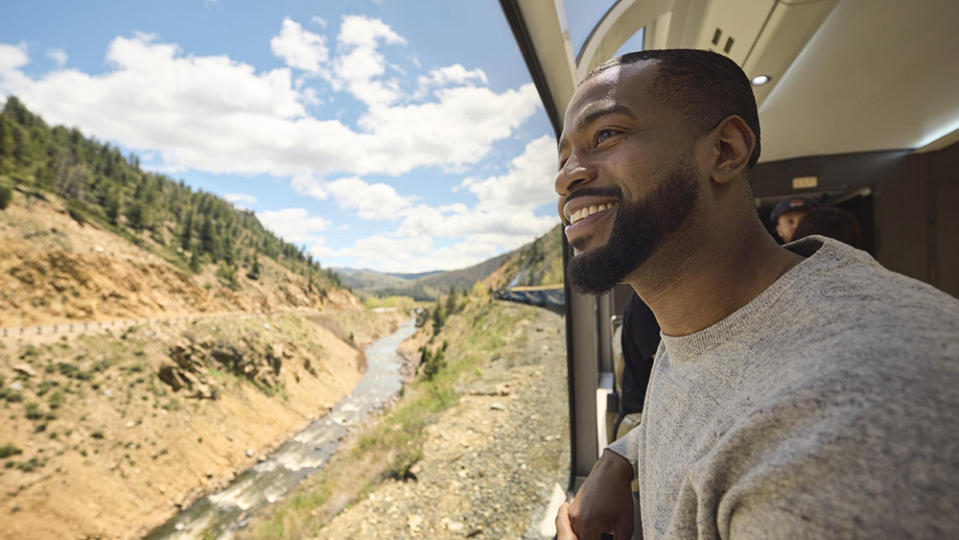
83	327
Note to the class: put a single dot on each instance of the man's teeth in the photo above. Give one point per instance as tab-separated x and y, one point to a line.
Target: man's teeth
588	211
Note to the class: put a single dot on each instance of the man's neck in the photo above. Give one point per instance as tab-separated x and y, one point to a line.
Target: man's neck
708	282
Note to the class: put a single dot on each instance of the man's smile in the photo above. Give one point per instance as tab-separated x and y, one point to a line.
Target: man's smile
585	220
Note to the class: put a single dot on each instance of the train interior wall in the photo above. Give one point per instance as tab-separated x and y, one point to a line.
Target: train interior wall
907	204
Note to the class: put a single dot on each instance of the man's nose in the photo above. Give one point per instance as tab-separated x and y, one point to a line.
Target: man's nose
573	174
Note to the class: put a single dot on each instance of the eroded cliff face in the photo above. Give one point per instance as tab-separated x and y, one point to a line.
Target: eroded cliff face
54	270
107	434
116	432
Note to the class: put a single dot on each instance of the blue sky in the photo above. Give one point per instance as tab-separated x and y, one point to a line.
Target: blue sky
399	136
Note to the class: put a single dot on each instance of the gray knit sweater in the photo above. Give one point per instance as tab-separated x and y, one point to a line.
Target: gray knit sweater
827	407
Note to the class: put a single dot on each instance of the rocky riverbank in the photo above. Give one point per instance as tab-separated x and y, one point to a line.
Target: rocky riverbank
110	435
491	460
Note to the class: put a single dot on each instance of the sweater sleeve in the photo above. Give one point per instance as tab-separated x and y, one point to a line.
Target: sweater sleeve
627	446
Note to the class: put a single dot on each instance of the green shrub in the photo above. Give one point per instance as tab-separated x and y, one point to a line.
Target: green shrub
8	450
69	370
97	434
10	395
31	465
6	195
33	411
431	362
56	399
45	386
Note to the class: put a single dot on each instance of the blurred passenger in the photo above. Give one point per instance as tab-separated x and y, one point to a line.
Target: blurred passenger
788	213
830	222
640	339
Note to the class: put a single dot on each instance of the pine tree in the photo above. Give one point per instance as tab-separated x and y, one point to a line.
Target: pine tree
138	216
451	301
439	318
111	206
194	263
186	234
6	194
254	272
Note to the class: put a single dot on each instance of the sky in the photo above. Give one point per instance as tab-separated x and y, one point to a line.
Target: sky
398	136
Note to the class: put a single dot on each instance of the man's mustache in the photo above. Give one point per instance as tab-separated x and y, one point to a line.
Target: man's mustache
595	192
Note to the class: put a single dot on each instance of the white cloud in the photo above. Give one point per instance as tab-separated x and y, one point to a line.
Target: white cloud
240	199
371	201
364	31
455	130
319	21
306	184
412	254
454	74
214	114
59	56
503	219
359	67
299	48
12	58
294	225
527	184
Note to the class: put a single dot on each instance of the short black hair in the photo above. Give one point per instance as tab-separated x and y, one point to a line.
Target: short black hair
831	222
705	86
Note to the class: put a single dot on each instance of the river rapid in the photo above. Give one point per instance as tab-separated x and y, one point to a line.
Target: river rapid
220	514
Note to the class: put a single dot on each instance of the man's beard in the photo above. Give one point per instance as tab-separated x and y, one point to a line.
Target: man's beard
638	230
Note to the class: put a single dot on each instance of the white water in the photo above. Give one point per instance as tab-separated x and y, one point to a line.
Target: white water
222	513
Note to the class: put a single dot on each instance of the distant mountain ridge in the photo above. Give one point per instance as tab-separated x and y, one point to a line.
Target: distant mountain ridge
420	286
539	262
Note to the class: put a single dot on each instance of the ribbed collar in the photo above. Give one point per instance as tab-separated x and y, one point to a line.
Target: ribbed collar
820	254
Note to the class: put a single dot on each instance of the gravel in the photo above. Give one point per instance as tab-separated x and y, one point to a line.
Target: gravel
493	461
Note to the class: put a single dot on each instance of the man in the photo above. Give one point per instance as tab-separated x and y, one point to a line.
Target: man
787	214
800	392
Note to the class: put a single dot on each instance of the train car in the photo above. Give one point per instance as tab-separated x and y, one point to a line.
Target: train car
859	110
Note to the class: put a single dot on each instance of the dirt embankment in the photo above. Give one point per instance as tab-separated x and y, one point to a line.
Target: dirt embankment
54	270
491	461
109	435
477	452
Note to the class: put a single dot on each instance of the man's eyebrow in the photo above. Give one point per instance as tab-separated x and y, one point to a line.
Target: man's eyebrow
592	116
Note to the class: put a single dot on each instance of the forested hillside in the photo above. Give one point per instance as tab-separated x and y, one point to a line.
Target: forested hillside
538	263
424	286
188	228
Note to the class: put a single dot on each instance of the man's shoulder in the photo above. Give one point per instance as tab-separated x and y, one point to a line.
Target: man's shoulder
847	288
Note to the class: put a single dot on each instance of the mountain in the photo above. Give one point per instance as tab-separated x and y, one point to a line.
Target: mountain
416	275
369	281
538	263
86	234
422	286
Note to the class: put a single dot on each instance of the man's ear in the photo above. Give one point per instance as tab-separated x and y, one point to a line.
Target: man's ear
734	144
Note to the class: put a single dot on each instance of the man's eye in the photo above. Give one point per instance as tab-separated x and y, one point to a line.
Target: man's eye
602	135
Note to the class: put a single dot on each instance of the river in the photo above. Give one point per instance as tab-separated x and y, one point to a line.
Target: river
220	514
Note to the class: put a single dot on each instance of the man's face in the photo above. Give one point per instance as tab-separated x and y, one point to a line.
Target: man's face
786	224
627	177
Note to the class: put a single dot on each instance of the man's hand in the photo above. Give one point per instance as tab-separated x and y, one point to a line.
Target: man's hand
603	504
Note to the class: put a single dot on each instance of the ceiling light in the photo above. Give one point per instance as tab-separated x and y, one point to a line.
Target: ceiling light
760	80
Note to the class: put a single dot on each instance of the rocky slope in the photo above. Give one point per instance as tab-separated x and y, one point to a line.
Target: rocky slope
492	461
56	270
485	466
538	263
109	435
